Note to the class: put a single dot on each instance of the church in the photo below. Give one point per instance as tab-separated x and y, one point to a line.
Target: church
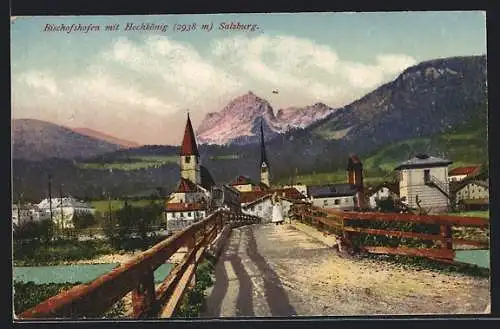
190	201
245	184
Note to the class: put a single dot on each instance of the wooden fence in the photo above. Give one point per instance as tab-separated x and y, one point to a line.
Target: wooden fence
349	224
93	299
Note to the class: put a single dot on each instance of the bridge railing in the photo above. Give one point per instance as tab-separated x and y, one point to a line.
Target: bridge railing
137	276
349	224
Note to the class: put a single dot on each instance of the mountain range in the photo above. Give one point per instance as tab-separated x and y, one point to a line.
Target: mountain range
239	121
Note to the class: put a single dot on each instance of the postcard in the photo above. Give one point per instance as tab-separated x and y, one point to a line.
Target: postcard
250	165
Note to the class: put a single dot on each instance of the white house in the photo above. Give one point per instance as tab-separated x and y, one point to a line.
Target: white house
460	173
25	213
63	210
261	207
424	182
181	215
334	196
189	192
473	190
381	192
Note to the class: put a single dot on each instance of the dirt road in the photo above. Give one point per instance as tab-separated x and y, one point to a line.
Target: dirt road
291	270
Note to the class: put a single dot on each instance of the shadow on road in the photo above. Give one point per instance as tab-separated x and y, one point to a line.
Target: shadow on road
276	296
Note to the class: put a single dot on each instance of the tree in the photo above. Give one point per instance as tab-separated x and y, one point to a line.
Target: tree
83	220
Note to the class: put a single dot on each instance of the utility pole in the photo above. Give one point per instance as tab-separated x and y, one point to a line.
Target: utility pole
61	203
109	207
19	209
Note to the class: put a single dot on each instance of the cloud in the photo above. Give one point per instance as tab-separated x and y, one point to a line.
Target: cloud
181	68
161	77
311	69
40	81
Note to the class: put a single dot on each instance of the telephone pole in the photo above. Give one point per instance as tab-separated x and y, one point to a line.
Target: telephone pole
19	209
61	203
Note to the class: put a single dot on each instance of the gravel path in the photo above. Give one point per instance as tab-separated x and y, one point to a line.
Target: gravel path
292	270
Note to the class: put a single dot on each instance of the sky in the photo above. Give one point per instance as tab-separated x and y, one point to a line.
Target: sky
138	85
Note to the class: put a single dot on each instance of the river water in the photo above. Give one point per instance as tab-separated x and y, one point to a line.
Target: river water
83	273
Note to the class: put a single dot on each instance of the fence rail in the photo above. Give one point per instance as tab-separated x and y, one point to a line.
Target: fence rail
348	224
137	276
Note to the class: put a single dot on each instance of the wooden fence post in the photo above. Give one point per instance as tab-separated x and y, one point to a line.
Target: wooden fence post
446	233
191	243
143	297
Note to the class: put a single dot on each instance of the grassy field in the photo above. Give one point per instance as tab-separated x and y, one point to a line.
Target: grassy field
134	163
478	213
337	177
103	205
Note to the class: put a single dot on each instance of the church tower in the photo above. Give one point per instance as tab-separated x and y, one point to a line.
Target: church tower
190	158
264	164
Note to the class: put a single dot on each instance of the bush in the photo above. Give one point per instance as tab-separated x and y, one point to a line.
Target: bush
83	220
194	300
57	252
29	294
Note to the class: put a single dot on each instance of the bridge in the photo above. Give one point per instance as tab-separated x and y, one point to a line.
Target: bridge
311	265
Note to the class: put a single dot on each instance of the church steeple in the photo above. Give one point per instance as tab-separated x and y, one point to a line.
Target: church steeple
189	146
190	157
264	164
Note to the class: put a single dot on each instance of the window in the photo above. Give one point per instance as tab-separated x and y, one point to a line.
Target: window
182	214
325	202
427	175
188	159
189	214
337	202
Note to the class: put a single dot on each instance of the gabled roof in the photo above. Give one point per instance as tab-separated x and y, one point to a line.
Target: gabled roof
260	199
189	146
242	180
187	186
353	161
182	206
463	171
464	183
331	190
423	161
291	193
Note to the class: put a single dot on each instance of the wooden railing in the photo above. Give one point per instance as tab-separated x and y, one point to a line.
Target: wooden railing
137	276
346	225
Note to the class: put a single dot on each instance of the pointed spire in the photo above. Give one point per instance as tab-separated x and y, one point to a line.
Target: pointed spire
189	146
263	157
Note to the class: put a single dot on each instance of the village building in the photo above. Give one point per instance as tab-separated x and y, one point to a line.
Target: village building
333	196
23	214
346	196
299	187
191	199
423	183
245	184
473	194
63	210
226	196
182	215
382	191
289	193
262	203
460	173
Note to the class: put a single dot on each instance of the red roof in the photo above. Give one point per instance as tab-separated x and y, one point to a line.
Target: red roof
462	171
187	186
290	193
189	146
182	206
